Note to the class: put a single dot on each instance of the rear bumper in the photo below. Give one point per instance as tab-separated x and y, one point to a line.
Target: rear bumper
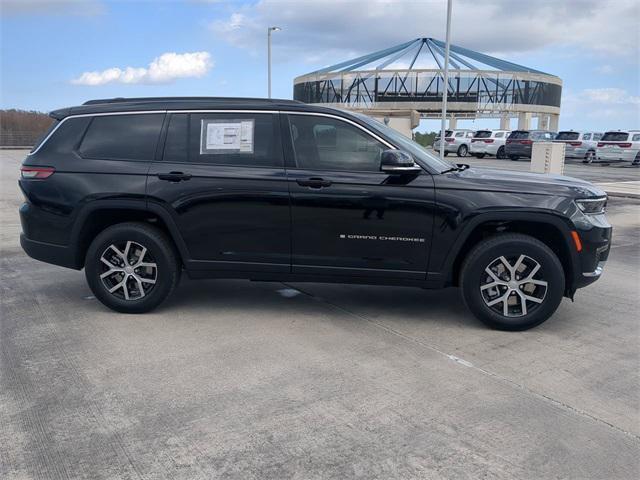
519	150
625	155
49	252
483	148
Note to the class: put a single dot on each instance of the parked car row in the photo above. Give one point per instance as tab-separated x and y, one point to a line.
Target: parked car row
612	146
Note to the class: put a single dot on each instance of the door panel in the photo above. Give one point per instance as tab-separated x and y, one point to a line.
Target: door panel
361	224
231	207
358	223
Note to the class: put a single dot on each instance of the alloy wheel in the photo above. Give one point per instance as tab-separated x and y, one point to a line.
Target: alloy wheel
513	286
129	271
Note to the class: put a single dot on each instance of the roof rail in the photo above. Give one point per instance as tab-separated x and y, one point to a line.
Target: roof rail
101	101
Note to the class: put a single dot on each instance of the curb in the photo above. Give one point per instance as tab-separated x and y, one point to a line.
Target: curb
622	194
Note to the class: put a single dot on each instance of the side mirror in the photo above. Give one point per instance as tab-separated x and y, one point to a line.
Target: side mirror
398	162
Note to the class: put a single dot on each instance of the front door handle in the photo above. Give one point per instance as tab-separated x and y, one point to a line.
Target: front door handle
174	176
314	182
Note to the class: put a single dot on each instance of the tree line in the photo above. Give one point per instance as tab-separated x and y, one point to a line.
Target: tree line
22	127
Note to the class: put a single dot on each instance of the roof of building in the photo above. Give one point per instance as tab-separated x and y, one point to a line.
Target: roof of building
424	53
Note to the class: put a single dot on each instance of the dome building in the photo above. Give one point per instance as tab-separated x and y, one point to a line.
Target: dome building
403	84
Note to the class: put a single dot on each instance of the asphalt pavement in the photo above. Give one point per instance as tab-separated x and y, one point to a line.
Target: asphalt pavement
248	380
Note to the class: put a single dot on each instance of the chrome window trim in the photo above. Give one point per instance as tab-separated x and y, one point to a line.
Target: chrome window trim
288	112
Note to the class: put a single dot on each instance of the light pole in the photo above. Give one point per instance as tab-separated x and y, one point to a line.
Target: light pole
269	30
445	89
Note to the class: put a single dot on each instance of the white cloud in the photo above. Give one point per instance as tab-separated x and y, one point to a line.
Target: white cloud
609	96
52	7
163	69
605	108
330	29
604	69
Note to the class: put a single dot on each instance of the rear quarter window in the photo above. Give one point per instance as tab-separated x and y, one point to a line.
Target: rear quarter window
499	134
122	137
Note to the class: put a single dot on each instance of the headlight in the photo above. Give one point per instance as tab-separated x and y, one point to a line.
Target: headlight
592	206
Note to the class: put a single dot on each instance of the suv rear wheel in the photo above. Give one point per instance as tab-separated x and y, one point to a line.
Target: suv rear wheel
131	267
462	151
500	155
512	282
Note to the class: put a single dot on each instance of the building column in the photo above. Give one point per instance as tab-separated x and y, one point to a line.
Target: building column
505	122
554	120
524	121
543	122
453	123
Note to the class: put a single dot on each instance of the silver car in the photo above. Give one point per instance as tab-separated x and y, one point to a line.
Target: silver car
488	142
455	141
579	144
619	146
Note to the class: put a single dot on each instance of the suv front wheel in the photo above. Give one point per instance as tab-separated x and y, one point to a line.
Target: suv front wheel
512	282
132	267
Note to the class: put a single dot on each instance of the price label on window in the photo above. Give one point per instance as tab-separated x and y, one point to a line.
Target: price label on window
226	136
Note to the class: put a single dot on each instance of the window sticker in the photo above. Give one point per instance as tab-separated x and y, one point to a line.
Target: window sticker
226	136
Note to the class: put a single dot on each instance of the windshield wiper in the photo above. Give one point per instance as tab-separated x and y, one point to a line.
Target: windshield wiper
458	168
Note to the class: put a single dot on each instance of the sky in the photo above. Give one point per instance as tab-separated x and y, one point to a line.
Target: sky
57	53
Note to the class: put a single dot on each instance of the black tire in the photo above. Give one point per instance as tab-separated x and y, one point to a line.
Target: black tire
130	239
446	153
512	246
636	161
463	150
514	157
479	155
500	155
589	157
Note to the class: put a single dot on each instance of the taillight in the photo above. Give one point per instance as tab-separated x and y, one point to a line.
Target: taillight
575	144
509	141
526	142
448	139
624	145
600	144
36	172
489	140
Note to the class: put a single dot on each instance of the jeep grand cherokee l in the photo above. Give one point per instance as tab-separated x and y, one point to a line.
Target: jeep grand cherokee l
136	191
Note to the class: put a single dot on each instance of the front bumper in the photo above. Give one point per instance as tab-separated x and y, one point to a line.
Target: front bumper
596	244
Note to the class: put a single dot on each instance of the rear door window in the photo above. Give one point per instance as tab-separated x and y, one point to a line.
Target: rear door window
615	137
122	137
239	139
636	138
499	134
586	136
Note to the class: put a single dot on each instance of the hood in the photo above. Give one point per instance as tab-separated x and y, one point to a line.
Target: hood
495	180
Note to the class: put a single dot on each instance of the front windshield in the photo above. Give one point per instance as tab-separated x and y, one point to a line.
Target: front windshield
420	154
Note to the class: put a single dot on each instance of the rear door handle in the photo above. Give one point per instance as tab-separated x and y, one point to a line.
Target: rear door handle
174	176
314	182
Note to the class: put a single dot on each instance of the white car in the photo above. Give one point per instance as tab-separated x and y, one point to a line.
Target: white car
619	146
579	144
455	141
487	142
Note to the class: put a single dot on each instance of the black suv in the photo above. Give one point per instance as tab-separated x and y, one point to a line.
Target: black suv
520	142
138	190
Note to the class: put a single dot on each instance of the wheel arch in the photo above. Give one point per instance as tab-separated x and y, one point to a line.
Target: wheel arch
100	214
550	229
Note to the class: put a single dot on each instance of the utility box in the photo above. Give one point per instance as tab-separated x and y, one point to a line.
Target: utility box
548	157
